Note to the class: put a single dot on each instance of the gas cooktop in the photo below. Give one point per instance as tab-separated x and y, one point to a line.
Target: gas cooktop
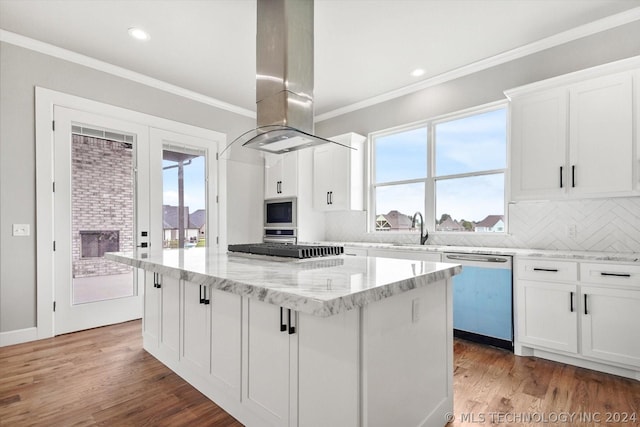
287	250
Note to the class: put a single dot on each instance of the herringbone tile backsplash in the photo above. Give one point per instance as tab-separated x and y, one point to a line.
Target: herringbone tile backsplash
604	225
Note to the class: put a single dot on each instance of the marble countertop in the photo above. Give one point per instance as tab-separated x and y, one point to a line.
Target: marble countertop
627	257
318	286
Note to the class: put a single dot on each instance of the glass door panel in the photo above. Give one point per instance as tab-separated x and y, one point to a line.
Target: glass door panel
102	205
184	201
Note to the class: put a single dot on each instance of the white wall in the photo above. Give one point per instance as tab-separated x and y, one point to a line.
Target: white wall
604	225
20	71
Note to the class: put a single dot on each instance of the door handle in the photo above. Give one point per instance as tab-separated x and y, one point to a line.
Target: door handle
157	282
571	302
573	175
586	311
283	327
328	202
330	197
200	295
292	329
207	301
560	176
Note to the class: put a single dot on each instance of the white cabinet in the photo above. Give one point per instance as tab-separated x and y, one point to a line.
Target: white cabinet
211	336
547	315
151	311
269	349
573	141
610	326
539	145
600	136
588	311
280	175
161	333
196	327
338	174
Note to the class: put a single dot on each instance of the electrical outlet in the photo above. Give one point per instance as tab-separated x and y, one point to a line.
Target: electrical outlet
572	231
415	310
21	230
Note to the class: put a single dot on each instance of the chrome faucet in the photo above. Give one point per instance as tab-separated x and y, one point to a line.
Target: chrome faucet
425	236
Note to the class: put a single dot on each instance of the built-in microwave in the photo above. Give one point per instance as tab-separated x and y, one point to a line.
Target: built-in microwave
281	213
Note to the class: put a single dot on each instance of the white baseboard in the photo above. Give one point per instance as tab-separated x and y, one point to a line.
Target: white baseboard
18	336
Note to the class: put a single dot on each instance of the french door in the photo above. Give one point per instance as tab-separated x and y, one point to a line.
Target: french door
101	204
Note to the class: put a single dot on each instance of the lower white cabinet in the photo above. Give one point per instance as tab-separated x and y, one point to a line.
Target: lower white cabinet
587	312
269	351
547	315
296	366
611	324
266	365
161	309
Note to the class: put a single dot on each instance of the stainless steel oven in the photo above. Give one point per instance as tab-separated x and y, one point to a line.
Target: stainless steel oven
281	213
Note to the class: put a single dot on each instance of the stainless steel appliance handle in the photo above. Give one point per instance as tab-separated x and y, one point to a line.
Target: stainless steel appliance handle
480	258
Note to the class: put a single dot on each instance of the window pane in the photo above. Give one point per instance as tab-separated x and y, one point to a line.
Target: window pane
470	204
184	199
396	204
401	156
472	144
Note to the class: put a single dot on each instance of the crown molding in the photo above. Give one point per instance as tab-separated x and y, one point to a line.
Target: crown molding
67	55
591	28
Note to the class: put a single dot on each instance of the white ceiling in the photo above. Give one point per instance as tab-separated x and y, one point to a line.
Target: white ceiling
363	48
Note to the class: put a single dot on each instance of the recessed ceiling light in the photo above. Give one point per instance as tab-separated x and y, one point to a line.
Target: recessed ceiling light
417	72
138	33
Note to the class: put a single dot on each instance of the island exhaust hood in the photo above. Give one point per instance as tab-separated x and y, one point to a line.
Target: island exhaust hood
284	78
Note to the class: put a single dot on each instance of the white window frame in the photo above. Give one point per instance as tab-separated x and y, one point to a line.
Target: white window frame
430	180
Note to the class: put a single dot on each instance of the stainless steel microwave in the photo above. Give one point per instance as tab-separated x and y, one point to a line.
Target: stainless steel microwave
281	213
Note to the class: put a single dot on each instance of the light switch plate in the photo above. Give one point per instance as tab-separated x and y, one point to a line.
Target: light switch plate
21	229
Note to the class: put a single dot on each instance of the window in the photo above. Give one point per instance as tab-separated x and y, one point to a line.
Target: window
451	169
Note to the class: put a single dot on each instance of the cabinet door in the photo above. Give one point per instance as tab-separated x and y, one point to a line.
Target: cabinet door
169	317
226	340
547	315
196	327
289	177
539	146
328	357
266	362
280	175
610	326
151	317
601	142
322	177
272	175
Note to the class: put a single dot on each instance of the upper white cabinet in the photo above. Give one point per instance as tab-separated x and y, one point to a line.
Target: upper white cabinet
573	140
338	174
280	175
601	135
539	145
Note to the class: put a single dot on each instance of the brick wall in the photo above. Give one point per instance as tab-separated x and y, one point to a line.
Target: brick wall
102	199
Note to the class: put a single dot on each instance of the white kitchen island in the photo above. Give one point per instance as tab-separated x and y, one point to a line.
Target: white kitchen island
331	341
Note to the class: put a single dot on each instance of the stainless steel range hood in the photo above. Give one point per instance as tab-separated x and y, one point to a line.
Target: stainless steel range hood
284	73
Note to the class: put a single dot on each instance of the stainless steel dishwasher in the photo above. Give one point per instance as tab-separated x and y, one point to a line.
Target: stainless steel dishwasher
483	299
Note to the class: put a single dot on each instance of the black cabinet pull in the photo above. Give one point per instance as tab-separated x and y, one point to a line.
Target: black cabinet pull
571	301
586	311
283	327
292	329
206	300
330	197
573	175
156	280
560	176
615	274
551	270
201	296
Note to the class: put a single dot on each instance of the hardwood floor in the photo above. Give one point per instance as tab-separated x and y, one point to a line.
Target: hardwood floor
103	377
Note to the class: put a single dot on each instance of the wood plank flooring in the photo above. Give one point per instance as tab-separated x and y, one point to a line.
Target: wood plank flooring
103	377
